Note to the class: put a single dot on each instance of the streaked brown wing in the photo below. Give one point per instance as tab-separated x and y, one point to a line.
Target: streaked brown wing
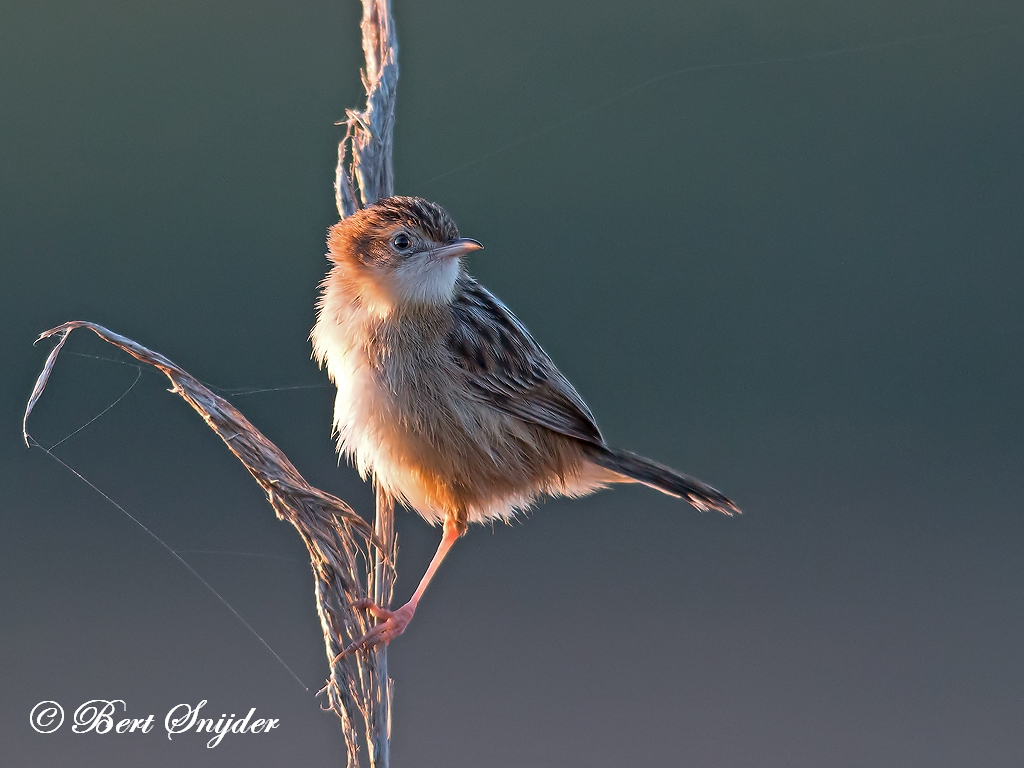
507	369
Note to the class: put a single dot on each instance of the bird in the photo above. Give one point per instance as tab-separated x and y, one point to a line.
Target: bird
444	398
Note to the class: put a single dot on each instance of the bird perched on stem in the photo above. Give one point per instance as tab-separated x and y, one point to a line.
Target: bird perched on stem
444	397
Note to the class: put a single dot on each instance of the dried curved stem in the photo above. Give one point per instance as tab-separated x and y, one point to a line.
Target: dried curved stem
337	539
339	542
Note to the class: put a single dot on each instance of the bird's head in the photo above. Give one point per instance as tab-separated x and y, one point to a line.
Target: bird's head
399	251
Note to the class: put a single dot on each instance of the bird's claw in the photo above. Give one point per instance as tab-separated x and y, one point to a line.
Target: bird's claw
393	624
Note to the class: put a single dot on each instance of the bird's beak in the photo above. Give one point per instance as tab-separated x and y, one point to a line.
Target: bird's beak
456	248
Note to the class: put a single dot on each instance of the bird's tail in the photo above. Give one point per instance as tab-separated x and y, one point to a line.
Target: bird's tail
664	479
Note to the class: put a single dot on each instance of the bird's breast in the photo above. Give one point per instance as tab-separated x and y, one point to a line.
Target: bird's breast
405	414
395	414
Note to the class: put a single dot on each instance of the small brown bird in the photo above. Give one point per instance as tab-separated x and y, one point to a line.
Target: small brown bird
444	397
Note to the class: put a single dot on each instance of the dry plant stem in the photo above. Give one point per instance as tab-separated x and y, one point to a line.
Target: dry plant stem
360	180
336	538
378	735
369	134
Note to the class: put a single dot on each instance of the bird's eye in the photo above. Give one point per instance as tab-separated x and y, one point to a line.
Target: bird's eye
401	241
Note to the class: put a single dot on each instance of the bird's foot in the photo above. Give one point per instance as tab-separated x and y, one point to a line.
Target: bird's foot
393	624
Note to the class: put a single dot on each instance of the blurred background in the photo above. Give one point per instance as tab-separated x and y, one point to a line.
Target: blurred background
794	272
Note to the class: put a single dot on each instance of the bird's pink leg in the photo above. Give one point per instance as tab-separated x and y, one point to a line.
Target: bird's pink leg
396	621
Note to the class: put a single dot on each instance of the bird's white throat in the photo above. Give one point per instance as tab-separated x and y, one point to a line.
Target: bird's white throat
424	279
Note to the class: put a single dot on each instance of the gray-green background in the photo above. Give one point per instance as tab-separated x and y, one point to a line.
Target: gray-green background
801	281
